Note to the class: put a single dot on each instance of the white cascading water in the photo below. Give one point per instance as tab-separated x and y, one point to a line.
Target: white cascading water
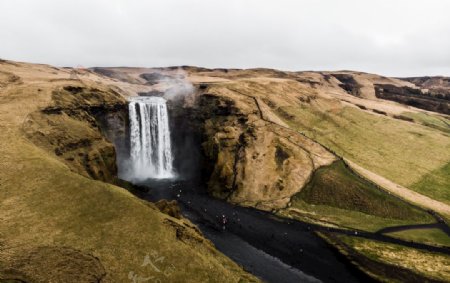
150	149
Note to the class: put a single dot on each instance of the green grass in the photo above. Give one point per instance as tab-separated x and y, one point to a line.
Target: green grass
397	150
428	236
432	121
349	219
335	194
429	264
52	206
435	184
337	186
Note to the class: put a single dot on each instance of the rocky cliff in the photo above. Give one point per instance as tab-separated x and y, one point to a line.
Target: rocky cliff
68	128
254	160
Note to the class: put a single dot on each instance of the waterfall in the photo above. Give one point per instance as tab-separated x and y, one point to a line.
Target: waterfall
150	150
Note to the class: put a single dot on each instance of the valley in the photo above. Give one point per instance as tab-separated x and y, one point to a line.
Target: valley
277	176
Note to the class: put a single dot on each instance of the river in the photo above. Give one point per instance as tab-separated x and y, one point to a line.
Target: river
272	248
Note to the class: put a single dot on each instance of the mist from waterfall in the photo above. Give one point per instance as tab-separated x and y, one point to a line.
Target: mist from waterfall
150	146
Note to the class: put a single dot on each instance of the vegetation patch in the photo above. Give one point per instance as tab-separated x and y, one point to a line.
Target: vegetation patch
348	219
52	264
429	120
436	184
404	118
337	186
401	152
428	236
434	266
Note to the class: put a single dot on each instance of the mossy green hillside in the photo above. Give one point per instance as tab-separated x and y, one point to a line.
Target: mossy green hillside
400	151
337	194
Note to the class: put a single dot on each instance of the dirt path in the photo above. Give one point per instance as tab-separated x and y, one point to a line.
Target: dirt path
401	191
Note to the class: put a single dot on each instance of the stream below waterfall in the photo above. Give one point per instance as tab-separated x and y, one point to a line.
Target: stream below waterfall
272	248
269	247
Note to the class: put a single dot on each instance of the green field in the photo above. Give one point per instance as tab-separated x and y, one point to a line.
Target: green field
50	206
428	236
435	184
332	216
432	121
429	264
401	151
336	195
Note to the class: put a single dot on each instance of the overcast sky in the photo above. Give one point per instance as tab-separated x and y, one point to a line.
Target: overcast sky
390	37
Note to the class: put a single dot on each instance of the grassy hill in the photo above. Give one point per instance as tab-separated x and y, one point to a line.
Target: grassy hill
337	195
60	225
398	150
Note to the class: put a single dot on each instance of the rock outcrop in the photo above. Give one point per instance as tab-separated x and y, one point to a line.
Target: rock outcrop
437	100
254	161
68	128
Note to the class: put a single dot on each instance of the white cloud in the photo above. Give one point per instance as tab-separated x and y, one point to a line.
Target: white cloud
398	38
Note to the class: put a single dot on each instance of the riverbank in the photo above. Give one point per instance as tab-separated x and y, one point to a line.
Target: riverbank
260	241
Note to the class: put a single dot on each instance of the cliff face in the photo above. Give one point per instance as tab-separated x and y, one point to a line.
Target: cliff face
254	161
252	157
68	129
436	100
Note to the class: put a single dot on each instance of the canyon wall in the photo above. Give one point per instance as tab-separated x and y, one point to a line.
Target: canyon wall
70	129
253	161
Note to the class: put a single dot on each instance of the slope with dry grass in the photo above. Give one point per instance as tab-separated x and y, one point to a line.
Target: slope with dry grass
60	225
